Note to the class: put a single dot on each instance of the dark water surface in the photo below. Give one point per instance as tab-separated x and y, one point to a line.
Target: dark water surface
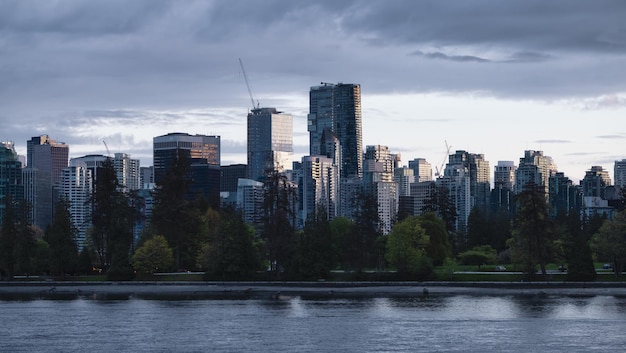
438	324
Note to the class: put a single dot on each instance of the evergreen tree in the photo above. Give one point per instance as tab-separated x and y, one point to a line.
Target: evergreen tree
406	246
25	242
113	219
8	237
438	248
61	237
577	250
610	241
533	232
233	252
443	206
478	230
317	249
279	202
362	248
176	216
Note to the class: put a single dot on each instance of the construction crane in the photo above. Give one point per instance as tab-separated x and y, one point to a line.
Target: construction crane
245	77
107	147
439	170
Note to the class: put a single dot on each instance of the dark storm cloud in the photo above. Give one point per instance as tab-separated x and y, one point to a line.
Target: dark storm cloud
69	65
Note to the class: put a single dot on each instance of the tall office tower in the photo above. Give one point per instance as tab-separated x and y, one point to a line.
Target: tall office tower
534	168
337	107
619	173
422	170
46	159
404	177
11	182
504	175
413	205
270	142
77	187
201	152
127	171
595	181
318	187
146	177
478	171
378	169
564	197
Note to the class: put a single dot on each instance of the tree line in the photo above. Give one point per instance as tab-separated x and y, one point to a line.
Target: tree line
186	232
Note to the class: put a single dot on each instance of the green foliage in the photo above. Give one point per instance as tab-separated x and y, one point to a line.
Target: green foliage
478	229
406	246
279	202
442	204
316	248
438	248
533	232
61	235
85	261
478	256
232	251
154	255
112	217
577	250
610	241
177	217
41	256
360	247
8	237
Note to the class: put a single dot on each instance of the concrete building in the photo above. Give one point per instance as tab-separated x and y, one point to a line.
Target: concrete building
457	180
46	159
504	174
318	187
422	170
127	171
250	201
404	177
477	169
534	168
77	187
595	181
270	142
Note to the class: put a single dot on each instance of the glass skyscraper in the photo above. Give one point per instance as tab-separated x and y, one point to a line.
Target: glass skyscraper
337	107
270	142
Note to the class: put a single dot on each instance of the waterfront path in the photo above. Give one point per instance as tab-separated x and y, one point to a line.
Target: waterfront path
281	290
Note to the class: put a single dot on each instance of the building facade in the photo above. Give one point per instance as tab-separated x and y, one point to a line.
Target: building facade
46	159
11	179
270	142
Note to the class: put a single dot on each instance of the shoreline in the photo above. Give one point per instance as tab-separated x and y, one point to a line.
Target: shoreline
285	290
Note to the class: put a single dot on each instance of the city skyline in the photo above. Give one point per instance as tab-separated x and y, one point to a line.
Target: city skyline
486	77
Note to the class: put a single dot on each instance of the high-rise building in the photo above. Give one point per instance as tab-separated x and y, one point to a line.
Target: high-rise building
76	187
595	181
564	197
378	179
127	171
270	142
504	175
534	168
11	182
404	177
200	152
478	171
337	107
46	159
457	180
422	170
318	187
146	177
250	196
619	173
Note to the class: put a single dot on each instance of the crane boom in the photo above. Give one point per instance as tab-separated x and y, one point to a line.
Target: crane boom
245	77
107	147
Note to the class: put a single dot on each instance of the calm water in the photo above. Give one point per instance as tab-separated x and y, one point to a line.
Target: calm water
437	324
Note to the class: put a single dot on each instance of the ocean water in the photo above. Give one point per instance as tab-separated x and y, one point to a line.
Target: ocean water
294	324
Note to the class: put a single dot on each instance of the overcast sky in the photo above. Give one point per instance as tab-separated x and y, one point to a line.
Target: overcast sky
491	77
